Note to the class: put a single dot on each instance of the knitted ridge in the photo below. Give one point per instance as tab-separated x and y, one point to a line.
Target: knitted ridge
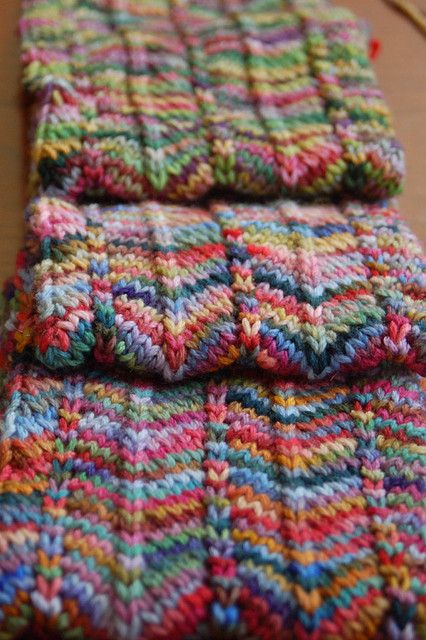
310	291
170	99
265	510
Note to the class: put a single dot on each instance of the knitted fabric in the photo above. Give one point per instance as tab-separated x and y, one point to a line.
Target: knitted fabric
311	291
279	491
172	98
235	508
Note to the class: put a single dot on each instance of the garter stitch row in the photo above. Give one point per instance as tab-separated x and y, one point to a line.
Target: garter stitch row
172	98
312	291
233	508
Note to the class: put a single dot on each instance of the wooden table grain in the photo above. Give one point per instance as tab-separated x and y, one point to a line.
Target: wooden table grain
401	68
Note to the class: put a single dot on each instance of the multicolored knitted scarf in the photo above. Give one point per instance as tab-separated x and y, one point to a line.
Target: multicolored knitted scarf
232	507
172	98
312	291
212	424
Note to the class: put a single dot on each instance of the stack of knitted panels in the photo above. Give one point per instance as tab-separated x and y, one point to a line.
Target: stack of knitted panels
212	423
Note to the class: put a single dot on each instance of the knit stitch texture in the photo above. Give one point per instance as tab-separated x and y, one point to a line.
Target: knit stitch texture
277	489
235	508
311	291
173	98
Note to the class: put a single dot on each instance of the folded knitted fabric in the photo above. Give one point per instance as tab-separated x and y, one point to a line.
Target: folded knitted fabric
238	504
172	98
310	291
253	508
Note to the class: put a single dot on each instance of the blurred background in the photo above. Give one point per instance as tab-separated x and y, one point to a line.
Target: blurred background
400	65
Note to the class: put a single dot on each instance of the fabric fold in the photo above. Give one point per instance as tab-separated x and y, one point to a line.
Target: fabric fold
309	291
167	99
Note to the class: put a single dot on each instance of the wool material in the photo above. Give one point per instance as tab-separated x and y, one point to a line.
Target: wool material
276	490
309	291
227	507
172	99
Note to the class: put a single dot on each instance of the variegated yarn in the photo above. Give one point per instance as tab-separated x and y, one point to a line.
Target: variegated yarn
211	420
313	291
172	98
232	507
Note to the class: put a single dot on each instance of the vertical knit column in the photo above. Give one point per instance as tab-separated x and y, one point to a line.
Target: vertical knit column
392	471
225	615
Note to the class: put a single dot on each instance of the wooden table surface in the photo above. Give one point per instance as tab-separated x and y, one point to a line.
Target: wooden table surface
401	68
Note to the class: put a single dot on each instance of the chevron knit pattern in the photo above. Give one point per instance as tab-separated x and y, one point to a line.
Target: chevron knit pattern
277	489
229	508
172	98
312	291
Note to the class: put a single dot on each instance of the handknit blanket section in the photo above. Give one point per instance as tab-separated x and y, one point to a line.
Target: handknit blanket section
308	291
232	507
171	99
